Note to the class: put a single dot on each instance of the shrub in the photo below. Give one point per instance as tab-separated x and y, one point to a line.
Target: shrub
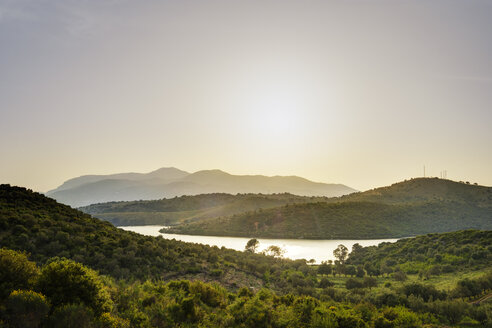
16	272
73	316
353	283
69	282
26	308
325	282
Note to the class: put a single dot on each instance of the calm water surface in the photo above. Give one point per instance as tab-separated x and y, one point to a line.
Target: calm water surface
320	250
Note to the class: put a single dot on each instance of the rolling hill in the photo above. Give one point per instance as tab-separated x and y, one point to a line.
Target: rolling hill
187	209
44	229
171	182
408	208
47	250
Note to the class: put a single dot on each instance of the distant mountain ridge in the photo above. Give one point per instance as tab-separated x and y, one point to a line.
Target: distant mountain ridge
172	182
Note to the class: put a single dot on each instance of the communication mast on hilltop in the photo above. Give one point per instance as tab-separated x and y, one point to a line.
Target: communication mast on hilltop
424	171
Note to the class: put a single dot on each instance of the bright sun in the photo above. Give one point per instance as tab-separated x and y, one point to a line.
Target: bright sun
276	114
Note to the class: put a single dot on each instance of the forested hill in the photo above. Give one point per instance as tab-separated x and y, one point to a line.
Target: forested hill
186	209
39	225
439	280
446	252
422	190
409	208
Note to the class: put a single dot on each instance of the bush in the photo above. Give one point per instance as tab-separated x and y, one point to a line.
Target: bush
73	316
69	282
370	282
452	311
426	292
400	276
16	272
26	309
353	283
106	320
325	282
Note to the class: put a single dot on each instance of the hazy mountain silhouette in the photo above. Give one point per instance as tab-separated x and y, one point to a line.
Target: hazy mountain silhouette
171	182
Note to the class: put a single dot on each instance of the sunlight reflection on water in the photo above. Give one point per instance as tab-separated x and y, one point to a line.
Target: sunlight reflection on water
319	250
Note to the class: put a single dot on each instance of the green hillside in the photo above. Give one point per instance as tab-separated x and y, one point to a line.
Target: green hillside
186	209
82	272
39	225
404	209
438	253
424	190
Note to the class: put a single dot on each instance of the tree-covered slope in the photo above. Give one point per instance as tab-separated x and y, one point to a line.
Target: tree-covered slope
57	292
39	225
445	252
408	208
420	190
187	209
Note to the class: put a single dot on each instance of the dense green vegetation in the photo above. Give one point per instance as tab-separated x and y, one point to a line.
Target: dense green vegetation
427	255
423	190
186	209
64	293
437	280
39	225
405	209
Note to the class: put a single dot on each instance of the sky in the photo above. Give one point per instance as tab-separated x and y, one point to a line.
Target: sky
358	92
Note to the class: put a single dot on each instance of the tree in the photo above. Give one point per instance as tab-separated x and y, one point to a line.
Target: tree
73	316
370	282
400	276
26	308
68	282
341	253
325	282
350	270
386	269
356	248
324	268
360	272
252	245
352	283
275	251
16	272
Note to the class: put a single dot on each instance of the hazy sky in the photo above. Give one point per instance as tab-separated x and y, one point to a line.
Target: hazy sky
356	92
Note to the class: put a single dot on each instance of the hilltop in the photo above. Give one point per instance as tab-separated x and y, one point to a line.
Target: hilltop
420	190
172	182
408	208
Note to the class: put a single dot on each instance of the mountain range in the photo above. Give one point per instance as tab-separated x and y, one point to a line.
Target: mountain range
172	182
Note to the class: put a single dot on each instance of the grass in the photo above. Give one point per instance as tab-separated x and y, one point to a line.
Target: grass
444	282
